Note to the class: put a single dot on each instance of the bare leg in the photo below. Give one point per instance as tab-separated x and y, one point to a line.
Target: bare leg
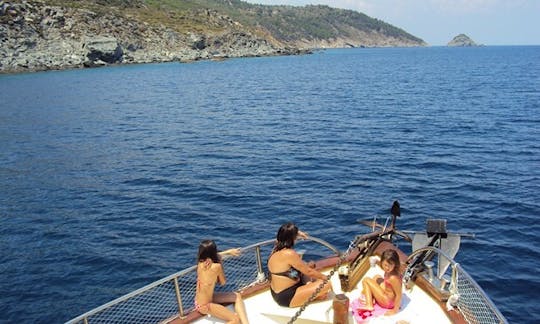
229	298
306	279
220	312
241	309
374	291
304	292
367	294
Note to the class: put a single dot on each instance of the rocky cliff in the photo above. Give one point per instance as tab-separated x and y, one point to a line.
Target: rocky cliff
36	36
57	34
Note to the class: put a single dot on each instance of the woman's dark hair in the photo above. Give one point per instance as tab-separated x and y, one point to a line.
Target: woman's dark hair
391	256
286	236
208	250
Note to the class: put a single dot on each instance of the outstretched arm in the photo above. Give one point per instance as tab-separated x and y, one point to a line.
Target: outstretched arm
233	252
302	235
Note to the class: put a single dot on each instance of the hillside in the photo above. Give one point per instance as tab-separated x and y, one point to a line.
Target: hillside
321	26
58	34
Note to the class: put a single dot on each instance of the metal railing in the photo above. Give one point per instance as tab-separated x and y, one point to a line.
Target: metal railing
473	303
173	296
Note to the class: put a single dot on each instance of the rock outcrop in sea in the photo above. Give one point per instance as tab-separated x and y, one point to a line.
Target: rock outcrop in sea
462	40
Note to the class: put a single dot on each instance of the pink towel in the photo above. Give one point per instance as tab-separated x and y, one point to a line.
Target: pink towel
361	315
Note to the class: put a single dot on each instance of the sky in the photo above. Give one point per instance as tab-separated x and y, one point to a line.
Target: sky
487	22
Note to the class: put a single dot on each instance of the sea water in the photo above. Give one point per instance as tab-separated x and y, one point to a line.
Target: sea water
110	177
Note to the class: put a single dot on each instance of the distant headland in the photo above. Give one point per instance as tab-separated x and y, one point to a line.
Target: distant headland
60	34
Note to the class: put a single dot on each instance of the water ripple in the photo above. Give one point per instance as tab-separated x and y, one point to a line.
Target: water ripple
111	186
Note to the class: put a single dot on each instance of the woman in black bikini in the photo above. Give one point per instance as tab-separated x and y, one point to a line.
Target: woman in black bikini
286	267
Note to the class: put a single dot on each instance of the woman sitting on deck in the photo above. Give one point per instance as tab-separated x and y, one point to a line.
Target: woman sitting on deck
210	271
286	266
387	290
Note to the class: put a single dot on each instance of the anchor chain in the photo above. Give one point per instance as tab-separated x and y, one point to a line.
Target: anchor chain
342	258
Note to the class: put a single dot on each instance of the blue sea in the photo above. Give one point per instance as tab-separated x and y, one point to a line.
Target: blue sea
110	177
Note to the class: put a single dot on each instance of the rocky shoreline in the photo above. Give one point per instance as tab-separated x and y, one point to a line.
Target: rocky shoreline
37	37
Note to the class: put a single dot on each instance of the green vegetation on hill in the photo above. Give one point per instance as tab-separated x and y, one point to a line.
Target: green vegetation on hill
316	21
288	24
57	34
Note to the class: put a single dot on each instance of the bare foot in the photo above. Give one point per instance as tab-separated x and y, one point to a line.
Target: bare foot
368	307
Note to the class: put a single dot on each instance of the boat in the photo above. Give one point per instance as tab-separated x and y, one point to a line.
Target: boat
436	289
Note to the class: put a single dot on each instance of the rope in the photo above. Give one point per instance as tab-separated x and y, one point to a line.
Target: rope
385	224
342	258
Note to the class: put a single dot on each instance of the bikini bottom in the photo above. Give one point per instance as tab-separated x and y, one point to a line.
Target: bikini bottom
199	307
284	297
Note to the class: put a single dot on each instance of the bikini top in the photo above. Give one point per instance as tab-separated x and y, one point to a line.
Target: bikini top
292	273
387	281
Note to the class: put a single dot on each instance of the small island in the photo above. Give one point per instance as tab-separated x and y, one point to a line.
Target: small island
462	40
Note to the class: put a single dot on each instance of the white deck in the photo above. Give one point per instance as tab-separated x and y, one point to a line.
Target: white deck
416	307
